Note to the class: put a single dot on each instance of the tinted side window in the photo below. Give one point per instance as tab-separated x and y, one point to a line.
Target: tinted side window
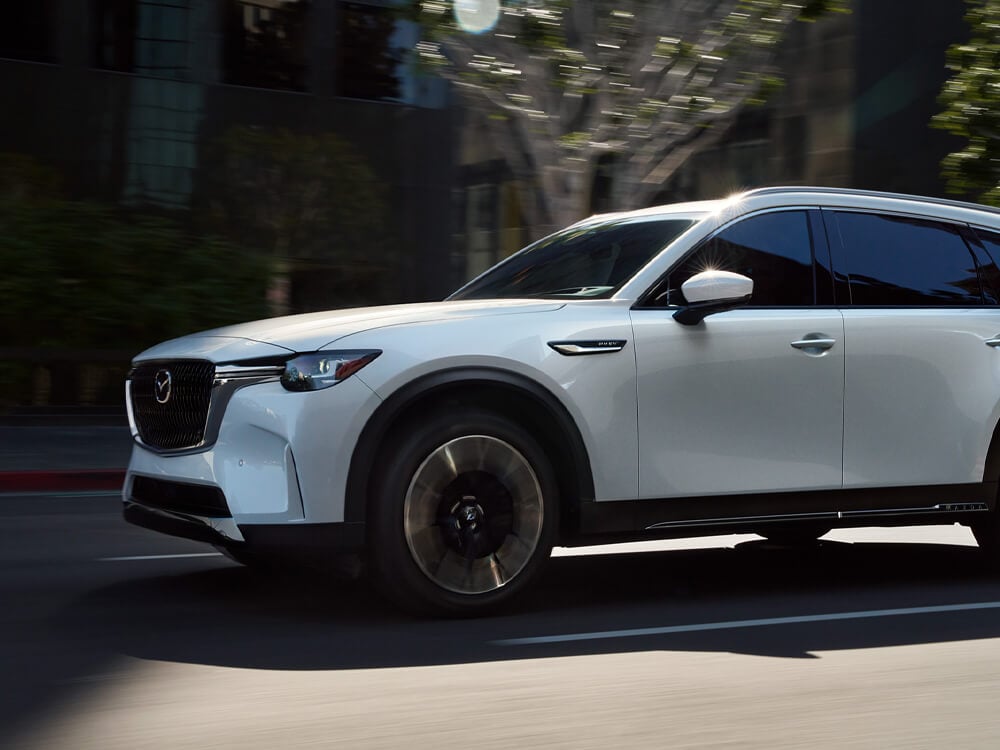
774	249
988	267
893	260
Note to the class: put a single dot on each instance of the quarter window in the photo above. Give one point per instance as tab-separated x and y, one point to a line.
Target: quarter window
773	249
988	270
895	260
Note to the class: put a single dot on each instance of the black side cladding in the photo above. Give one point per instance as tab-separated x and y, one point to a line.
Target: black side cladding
179	497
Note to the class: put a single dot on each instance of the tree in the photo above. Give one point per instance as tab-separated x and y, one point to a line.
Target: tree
311	202
369	57
971	101
87	285
563	84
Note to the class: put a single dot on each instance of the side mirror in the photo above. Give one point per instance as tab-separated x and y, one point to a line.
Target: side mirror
711	292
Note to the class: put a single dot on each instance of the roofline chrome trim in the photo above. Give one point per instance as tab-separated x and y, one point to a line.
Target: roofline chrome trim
849	192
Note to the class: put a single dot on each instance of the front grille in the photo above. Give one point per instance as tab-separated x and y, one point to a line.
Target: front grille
179	421
179	497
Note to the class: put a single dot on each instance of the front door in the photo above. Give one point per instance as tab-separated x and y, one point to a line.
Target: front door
743	402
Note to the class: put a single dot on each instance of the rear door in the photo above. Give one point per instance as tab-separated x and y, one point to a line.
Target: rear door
921	326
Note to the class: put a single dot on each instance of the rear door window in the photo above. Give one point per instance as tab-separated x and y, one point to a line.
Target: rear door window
902	261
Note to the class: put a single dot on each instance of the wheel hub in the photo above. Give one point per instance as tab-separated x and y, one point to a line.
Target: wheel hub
473	514
468	514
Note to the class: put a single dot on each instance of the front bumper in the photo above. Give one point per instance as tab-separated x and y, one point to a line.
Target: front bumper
315	543
280	461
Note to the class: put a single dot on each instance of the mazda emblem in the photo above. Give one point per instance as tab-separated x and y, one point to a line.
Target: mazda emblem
162	386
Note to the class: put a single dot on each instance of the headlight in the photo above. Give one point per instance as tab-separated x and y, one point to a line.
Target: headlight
318	370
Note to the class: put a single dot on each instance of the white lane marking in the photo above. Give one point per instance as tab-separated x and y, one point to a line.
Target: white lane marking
635	632
159	557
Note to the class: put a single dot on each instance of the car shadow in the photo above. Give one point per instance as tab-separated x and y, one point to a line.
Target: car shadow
232	616
221	614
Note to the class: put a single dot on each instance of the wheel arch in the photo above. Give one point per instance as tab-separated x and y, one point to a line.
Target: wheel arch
991	472
509	394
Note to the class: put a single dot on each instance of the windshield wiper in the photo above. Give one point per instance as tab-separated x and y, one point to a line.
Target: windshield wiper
574	291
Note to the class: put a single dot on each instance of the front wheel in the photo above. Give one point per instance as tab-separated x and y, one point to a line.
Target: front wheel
463	515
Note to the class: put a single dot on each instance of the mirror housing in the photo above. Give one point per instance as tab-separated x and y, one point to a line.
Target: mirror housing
710	292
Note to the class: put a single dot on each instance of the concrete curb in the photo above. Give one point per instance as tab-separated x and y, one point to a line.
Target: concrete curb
86	480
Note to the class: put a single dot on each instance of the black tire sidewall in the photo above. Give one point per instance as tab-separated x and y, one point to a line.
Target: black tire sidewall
395	571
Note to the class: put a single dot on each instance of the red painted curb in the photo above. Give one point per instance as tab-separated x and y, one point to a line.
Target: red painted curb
69	480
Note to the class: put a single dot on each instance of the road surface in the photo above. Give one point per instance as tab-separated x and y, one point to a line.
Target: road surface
115	637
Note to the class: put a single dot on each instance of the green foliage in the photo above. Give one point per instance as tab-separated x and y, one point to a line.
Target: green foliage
971	101
643	79
296	196
79	275
23	178
619	48
314	205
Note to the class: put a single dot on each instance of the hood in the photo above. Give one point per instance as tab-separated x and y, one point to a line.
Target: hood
313	331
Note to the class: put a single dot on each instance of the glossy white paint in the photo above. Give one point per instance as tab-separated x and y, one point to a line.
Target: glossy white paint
922	392
739	403
597	390
212	347
712	286
314	331
730	406
280	457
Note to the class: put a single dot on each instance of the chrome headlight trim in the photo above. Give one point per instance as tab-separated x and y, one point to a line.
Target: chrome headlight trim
314	371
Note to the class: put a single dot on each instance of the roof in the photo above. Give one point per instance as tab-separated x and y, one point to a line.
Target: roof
698	209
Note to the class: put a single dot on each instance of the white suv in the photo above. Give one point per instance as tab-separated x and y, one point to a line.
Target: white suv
783	362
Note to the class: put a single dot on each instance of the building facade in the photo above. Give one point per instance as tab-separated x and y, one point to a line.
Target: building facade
132	101
860	91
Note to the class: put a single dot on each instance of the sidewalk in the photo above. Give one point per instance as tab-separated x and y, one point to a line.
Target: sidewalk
61	458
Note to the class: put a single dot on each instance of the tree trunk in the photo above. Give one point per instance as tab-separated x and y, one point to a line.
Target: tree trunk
566	197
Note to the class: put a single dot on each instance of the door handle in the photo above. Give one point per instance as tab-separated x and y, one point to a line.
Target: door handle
818	344
993	342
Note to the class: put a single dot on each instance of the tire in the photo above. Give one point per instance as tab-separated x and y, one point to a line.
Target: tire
987	534
248	559
463	515
793	535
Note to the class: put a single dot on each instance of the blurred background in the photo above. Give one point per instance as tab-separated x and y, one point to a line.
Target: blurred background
168	166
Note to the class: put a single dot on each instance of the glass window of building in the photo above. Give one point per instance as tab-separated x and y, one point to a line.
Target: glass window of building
27	31
372	43
115	34
266	43
162	39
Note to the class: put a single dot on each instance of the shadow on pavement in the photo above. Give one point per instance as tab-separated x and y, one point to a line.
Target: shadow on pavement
224	615
235	617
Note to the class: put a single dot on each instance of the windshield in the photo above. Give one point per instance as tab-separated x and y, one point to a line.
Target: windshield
588	261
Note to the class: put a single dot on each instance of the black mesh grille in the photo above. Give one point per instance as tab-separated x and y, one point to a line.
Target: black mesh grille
178	422
180	497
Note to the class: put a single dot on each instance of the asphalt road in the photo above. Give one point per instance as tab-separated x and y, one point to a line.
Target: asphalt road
109	640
